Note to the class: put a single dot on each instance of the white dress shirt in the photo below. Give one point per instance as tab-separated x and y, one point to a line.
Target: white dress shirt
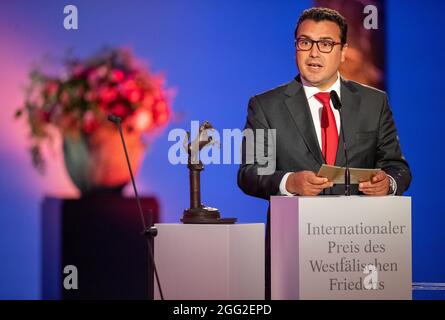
316	108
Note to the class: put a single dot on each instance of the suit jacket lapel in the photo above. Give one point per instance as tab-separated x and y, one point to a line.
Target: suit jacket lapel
350	111
299	109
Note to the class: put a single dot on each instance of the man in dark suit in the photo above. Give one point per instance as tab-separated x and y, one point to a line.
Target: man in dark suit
308	128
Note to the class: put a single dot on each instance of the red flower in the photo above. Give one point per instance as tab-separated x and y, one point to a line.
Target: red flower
107	94
161	106
80	100
128	86
117	75
119	109
147	102
134	96
51	88
90	122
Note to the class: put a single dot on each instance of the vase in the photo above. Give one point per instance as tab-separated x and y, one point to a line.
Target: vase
96	162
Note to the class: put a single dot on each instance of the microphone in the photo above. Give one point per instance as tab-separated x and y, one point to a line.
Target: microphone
337	105
114	119
148	232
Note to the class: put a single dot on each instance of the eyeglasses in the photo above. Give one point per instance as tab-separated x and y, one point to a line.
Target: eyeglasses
306	44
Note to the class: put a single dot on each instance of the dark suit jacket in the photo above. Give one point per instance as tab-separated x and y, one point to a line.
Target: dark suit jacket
370	133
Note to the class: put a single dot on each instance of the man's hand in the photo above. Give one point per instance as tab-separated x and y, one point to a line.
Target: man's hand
306	183
378	186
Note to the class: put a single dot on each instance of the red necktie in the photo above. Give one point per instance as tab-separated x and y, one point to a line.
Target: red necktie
329	132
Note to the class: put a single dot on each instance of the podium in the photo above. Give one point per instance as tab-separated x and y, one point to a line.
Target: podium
336	247
210	262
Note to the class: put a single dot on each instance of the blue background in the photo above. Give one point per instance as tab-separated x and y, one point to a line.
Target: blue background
216	54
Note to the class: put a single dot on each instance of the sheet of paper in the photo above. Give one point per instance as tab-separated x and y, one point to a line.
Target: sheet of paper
337	174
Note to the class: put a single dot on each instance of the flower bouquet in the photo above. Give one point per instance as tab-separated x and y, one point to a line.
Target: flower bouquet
78	103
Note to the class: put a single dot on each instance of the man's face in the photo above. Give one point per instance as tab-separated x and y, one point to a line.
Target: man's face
318	68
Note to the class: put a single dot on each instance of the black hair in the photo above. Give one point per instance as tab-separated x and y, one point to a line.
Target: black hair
321	14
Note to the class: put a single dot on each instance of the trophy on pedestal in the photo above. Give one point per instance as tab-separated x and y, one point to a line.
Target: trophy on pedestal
199	213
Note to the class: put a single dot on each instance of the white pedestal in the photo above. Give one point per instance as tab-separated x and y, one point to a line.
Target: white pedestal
215	262
320	247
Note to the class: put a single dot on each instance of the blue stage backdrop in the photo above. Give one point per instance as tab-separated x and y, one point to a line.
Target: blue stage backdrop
216	55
